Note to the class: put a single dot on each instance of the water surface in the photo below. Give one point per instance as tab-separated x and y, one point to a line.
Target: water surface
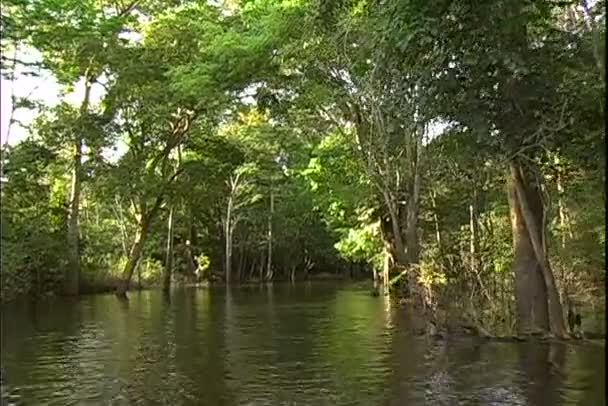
309	344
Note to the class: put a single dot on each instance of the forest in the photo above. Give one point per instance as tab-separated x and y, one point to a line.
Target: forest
452	151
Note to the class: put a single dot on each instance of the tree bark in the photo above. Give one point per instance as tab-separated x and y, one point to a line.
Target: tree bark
72	276
169	256
530	290
532	210
137	248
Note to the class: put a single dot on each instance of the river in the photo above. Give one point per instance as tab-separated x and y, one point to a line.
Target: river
308	344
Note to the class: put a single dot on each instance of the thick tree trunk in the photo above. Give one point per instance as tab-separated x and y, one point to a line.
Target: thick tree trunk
169	256
530	290
532	210
538	304
72	277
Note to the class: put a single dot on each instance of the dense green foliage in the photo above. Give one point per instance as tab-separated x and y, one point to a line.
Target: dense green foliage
278	138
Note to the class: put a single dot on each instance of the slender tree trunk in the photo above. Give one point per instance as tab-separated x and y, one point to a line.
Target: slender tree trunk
239	274
134	257
386	269
269	264
474	253
564	229
474	234
11	114
397	239
413	204
170	225
561	212
228	241
137	248
261	266
72	277
122	224
169	256
436	219
564	223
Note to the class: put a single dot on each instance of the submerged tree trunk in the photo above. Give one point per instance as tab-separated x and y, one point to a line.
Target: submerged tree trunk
386	269
169	256
538	304
72	277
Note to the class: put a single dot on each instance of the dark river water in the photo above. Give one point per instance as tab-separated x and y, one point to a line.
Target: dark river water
309	344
